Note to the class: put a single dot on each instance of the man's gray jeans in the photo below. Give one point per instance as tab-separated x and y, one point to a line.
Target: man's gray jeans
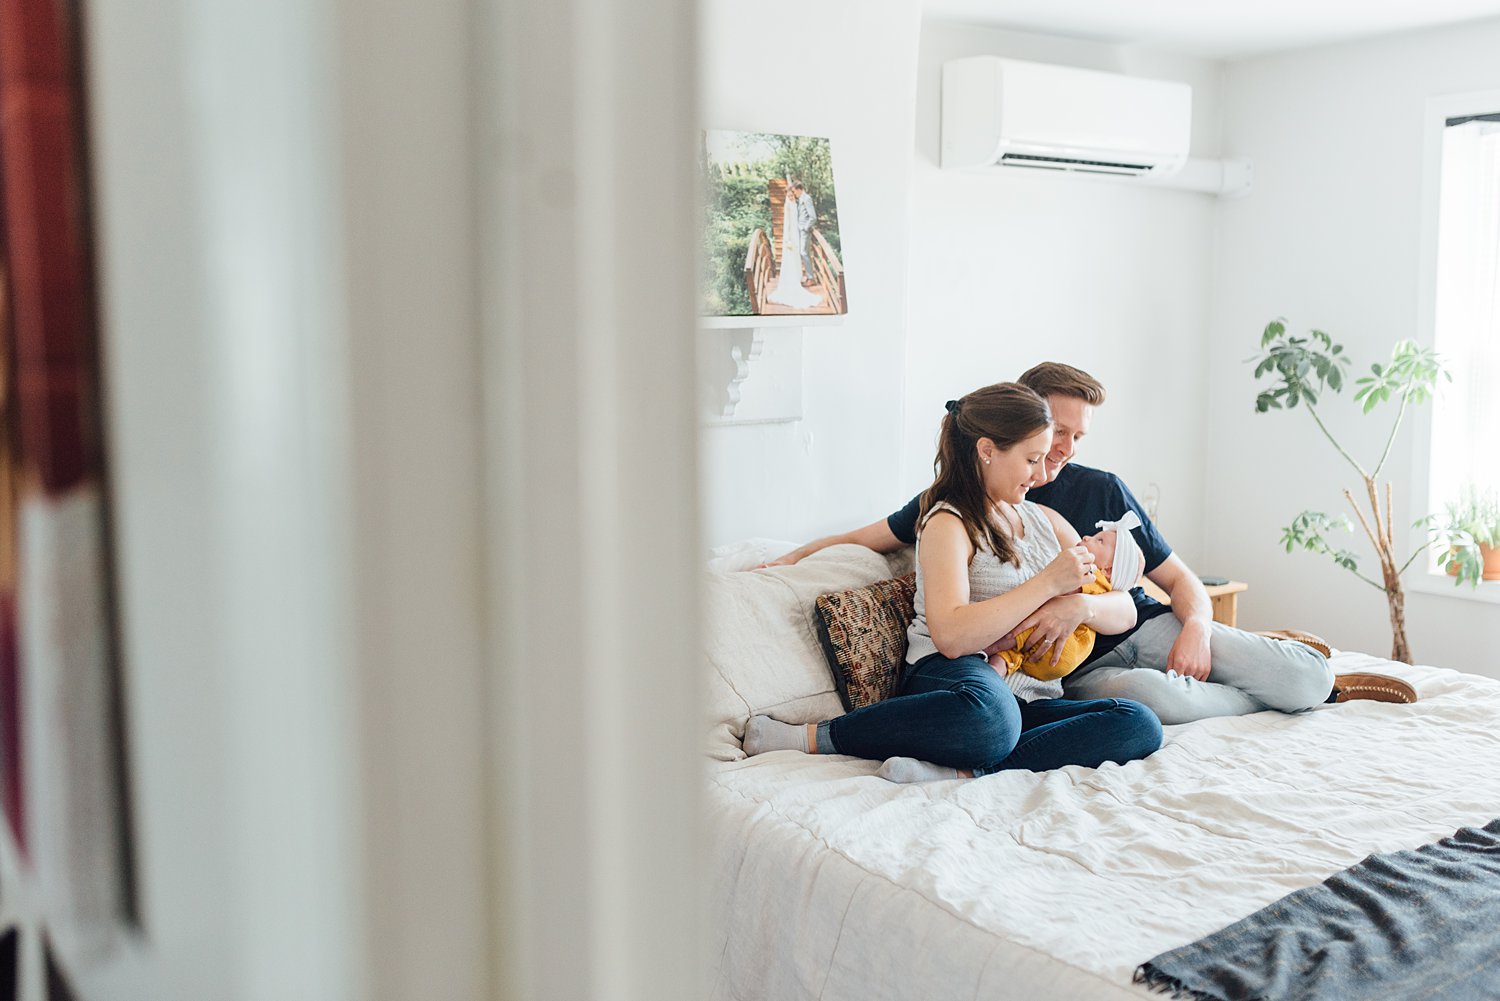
1249	674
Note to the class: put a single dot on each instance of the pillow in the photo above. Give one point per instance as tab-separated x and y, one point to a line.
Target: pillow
761	641
746	555
863	632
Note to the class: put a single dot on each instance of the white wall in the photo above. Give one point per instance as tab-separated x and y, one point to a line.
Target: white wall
1330	238
1003	272
844	69
1011	270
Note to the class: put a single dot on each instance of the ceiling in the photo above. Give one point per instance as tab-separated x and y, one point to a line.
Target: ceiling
1214	30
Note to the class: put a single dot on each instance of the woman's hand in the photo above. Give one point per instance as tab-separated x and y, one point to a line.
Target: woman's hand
1069	570
1051	625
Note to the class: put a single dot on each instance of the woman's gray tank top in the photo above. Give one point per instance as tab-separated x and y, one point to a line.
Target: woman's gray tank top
988	577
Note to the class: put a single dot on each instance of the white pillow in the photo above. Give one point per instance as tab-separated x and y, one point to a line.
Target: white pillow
762	644
746	555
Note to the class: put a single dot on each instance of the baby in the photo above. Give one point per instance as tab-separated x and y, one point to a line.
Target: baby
1117	567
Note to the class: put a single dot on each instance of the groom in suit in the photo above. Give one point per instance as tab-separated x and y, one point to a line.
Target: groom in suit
807	217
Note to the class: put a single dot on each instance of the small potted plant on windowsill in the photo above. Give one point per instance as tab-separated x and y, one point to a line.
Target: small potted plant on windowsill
1471	526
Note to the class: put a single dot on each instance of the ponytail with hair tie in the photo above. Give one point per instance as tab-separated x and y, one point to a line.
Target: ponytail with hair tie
1005	413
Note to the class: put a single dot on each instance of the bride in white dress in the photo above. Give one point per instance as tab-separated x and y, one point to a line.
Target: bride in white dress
789	290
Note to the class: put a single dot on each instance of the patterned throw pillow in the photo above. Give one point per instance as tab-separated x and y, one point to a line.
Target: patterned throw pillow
863	633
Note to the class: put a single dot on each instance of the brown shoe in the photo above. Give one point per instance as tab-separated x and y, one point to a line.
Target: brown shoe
1298	636
1373	687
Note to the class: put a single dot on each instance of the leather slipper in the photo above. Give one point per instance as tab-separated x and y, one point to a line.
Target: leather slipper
1372	687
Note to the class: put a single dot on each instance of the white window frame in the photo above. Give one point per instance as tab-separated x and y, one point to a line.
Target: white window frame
1430	579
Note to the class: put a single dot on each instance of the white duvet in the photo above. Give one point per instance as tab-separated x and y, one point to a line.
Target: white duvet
831	883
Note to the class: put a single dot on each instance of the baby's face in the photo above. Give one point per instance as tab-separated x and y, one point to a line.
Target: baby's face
1101	545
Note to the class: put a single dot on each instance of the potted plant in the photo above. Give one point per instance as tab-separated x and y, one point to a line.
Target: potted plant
1302	370
1471	527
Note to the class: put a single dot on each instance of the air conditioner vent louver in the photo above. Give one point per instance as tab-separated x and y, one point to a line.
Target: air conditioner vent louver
1069	163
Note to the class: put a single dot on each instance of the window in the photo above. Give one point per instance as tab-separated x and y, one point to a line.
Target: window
1463	265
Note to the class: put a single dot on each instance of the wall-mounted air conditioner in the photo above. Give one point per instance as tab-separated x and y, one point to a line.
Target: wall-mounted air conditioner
1035	117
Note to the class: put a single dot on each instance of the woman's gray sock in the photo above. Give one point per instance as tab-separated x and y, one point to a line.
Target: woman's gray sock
763	734
912	770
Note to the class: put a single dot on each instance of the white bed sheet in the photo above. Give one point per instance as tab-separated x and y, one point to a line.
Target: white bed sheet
831	883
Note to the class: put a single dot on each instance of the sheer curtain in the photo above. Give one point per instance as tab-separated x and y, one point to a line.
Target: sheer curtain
1466	418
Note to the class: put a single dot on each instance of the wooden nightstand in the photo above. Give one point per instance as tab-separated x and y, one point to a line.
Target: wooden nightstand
1224	596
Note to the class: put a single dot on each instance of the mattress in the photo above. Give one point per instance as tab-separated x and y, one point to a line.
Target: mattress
829	882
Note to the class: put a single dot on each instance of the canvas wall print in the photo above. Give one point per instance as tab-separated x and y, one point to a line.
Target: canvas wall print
772	244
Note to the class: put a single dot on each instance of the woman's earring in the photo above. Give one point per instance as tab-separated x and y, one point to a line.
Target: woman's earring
986	462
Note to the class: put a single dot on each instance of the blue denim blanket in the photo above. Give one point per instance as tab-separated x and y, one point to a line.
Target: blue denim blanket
1404	925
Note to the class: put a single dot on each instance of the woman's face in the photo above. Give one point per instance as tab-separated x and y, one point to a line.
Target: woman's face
1010	472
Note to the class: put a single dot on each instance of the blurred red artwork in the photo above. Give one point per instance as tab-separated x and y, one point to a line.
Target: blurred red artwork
63	782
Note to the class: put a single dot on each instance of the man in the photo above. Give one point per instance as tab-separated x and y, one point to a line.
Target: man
807	217
1184	665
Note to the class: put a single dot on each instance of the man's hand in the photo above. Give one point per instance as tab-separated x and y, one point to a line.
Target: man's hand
1190	656
1053	623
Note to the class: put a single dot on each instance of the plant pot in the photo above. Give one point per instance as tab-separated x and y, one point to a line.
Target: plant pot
1491	557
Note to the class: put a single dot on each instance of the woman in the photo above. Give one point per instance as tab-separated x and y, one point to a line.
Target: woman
986	559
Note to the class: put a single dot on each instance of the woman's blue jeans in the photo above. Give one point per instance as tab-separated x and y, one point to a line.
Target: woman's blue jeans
960	713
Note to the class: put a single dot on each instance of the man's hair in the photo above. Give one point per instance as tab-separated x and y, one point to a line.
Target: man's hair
1053	378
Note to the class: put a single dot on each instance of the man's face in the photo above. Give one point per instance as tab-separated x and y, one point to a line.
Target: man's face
1070	422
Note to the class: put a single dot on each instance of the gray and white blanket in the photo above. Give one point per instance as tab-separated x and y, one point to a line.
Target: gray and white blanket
1402	925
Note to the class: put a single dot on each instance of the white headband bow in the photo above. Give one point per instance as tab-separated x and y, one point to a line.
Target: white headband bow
1128	556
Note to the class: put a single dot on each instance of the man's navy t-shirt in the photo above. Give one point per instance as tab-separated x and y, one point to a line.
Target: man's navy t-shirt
1084	496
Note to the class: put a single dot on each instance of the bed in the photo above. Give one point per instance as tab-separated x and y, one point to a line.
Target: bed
828	882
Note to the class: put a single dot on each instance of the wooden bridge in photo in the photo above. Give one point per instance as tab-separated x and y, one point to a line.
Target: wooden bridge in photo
763	267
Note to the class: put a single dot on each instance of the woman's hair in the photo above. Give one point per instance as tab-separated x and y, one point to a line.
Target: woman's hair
1005	413
1053	378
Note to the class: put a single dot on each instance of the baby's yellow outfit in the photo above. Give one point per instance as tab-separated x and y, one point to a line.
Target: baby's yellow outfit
1076	648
